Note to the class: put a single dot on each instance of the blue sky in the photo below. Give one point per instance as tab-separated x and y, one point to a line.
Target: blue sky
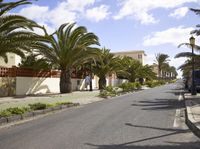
155	26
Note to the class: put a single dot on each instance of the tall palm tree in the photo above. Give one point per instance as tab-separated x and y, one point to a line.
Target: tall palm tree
132	68
147	72
187	66
68	47
106	64
14	36
161	59
196	31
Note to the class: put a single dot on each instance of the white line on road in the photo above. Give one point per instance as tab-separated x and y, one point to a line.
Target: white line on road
178	114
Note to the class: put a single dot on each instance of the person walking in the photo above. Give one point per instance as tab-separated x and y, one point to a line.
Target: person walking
87	81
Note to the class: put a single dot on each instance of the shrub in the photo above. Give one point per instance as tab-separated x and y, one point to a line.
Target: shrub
17	110
5	113
13	111
155	83
63	103
38	106
127	87
108	91
138	85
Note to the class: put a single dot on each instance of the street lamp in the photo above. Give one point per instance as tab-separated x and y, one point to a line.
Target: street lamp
193	90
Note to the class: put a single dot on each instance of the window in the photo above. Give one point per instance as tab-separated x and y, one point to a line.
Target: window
139	56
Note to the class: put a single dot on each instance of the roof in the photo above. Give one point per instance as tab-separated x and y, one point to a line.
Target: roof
130	52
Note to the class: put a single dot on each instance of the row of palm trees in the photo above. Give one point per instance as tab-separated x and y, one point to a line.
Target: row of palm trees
165	71
69	47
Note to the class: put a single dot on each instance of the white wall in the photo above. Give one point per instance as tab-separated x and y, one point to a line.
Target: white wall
34	85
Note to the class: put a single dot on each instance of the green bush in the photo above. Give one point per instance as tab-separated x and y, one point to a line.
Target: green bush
38	106
103	94
5	113
17	110
63	103
155	83
13	111
127	87
108	91
138	85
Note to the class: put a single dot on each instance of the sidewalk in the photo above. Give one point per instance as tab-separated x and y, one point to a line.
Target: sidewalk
193	112
81	97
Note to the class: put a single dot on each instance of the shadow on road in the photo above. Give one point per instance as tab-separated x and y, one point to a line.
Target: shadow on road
172	145
160	104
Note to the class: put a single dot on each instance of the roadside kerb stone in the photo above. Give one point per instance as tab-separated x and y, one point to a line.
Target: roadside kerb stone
57	108
48	110
190	120
3	120
27	115
38	112
14	118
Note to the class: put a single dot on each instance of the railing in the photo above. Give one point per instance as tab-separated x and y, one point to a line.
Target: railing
24	72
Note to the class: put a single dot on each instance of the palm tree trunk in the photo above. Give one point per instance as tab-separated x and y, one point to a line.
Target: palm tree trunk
69	81
102	83
65	81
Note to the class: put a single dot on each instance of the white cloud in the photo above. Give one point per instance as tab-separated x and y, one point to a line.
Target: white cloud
174	36
140	9
38	13
64	12
97	13
179	13
79	5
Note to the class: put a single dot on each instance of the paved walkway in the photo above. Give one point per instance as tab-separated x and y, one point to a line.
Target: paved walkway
193	111
82	97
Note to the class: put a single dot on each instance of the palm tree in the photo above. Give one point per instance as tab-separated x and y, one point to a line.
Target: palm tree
196	31
161	59
147	72
187	66
106	64
67	48
14	38
131	67
32	61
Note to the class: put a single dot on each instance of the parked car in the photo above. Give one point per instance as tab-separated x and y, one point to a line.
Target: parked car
196	80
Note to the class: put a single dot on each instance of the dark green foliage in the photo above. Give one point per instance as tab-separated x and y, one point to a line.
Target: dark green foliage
13	111
108	91
106	64
35	63
67	48
130	86
38	106
15	34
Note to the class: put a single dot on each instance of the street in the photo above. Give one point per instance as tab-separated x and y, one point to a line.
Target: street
141	120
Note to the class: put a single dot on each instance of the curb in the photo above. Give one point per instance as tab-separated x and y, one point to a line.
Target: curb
189	119
27	115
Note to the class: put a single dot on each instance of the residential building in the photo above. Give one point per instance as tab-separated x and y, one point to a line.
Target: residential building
137	54
13	60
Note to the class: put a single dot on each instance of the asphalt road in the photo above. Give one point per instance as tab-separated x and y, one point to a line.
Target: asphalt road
142	120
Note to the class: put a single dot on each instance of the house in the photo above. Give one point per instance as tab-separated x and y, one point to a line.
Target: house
135	54
13	60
